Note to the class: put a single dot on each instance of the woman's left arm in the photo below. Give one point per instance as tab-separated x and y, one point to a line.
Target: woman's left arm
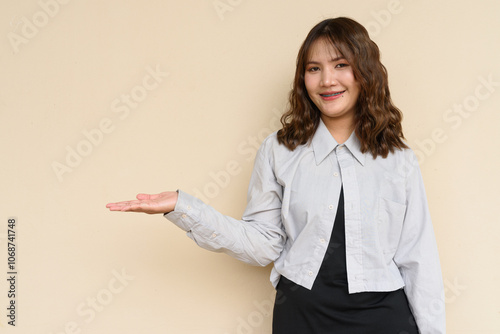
417	256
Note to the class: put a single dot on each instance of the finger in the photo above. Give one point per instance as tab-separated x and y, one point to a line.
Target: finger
123	207
112	204
143	196
116	208
118	204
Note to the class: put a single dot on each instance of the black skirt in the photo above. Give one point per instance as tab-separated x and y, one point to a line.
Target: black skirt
329	308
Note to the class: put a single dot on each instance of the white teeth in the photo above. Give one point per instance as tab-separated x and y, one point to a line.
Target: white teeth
331	94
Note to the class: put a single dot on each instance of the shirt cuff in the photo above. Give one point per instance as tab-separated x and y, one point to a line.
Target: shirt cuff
186	212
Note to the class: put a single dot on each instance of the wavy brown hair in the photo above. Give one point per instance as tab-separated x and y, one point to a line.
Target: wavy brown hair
377	120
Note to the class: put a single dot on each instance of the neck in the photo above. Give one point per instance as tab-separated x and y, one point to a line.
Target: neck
341	130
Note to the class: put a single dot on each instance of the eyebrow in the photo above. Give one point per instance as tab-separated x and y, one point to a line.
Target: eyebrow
331	60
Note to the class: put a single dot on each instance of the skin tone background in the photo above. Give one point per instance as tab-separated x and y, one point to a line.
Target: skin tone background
77	95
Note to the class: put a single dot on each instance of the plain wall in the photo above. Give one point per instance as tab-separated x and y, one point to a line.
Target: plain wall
84	123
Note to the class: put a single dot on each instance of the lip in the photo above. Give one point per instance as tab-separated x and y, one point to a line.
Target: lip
328	96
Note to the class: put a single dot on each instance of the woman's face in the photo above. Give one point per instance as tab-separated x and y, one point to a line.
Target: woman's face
331	85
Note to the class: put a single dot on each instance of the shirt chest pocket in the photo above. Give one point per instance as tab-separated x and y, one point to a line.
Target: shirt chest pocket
390	223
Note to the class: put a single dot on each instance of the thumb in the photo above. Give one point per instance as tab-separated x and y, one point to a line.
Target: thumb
144	196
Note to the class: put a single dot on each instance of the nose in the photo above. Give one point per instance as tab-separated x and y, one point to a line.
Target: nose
328	78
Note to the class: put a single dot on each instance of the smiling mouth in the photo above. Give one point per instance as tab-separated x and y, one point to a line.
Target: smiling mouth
332	94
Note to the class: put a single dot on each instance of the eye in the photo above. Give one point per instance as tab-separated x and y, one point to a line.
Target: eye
313	69
341	65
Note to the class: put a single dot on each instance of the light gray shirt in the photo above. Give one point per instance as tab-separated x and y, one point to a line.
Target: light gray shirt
292	203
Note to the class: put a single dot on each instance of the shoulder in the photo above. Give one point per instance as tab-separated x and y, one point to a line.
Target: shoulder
270	146
273	148
407	161
277	155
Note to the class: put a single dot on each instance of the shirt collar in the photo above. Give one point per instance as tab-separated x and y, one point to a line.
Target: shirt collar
323	143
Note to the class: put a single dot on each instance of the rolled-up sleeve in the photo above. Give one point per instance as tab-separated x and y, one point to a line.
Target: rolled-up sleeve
417	256
258	237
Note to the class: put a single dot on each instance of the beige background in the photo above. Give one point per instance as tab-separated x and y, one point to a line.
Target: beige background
230	65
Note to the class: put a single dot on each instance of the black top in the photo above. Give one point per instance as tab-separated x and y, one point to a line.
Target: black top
329	308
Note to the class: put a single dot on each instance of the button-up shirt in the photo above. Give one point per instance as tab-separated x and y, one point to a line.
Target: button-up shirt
292	202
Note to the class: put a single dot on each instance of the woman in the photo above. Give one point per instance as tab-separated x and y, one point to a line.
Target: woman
336	201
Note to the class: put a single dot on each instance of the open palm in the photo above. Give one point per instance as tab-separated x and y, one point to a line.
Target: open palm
150	204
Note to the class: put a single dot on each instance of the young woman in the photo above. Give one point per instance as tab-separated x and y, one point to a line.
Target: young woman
336	201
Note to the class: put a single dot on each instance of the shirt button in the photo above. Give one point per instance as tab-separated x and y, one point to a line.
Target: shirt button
335	174
322	240
189	207
310	273
330	207
214	235
341	148
184	216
